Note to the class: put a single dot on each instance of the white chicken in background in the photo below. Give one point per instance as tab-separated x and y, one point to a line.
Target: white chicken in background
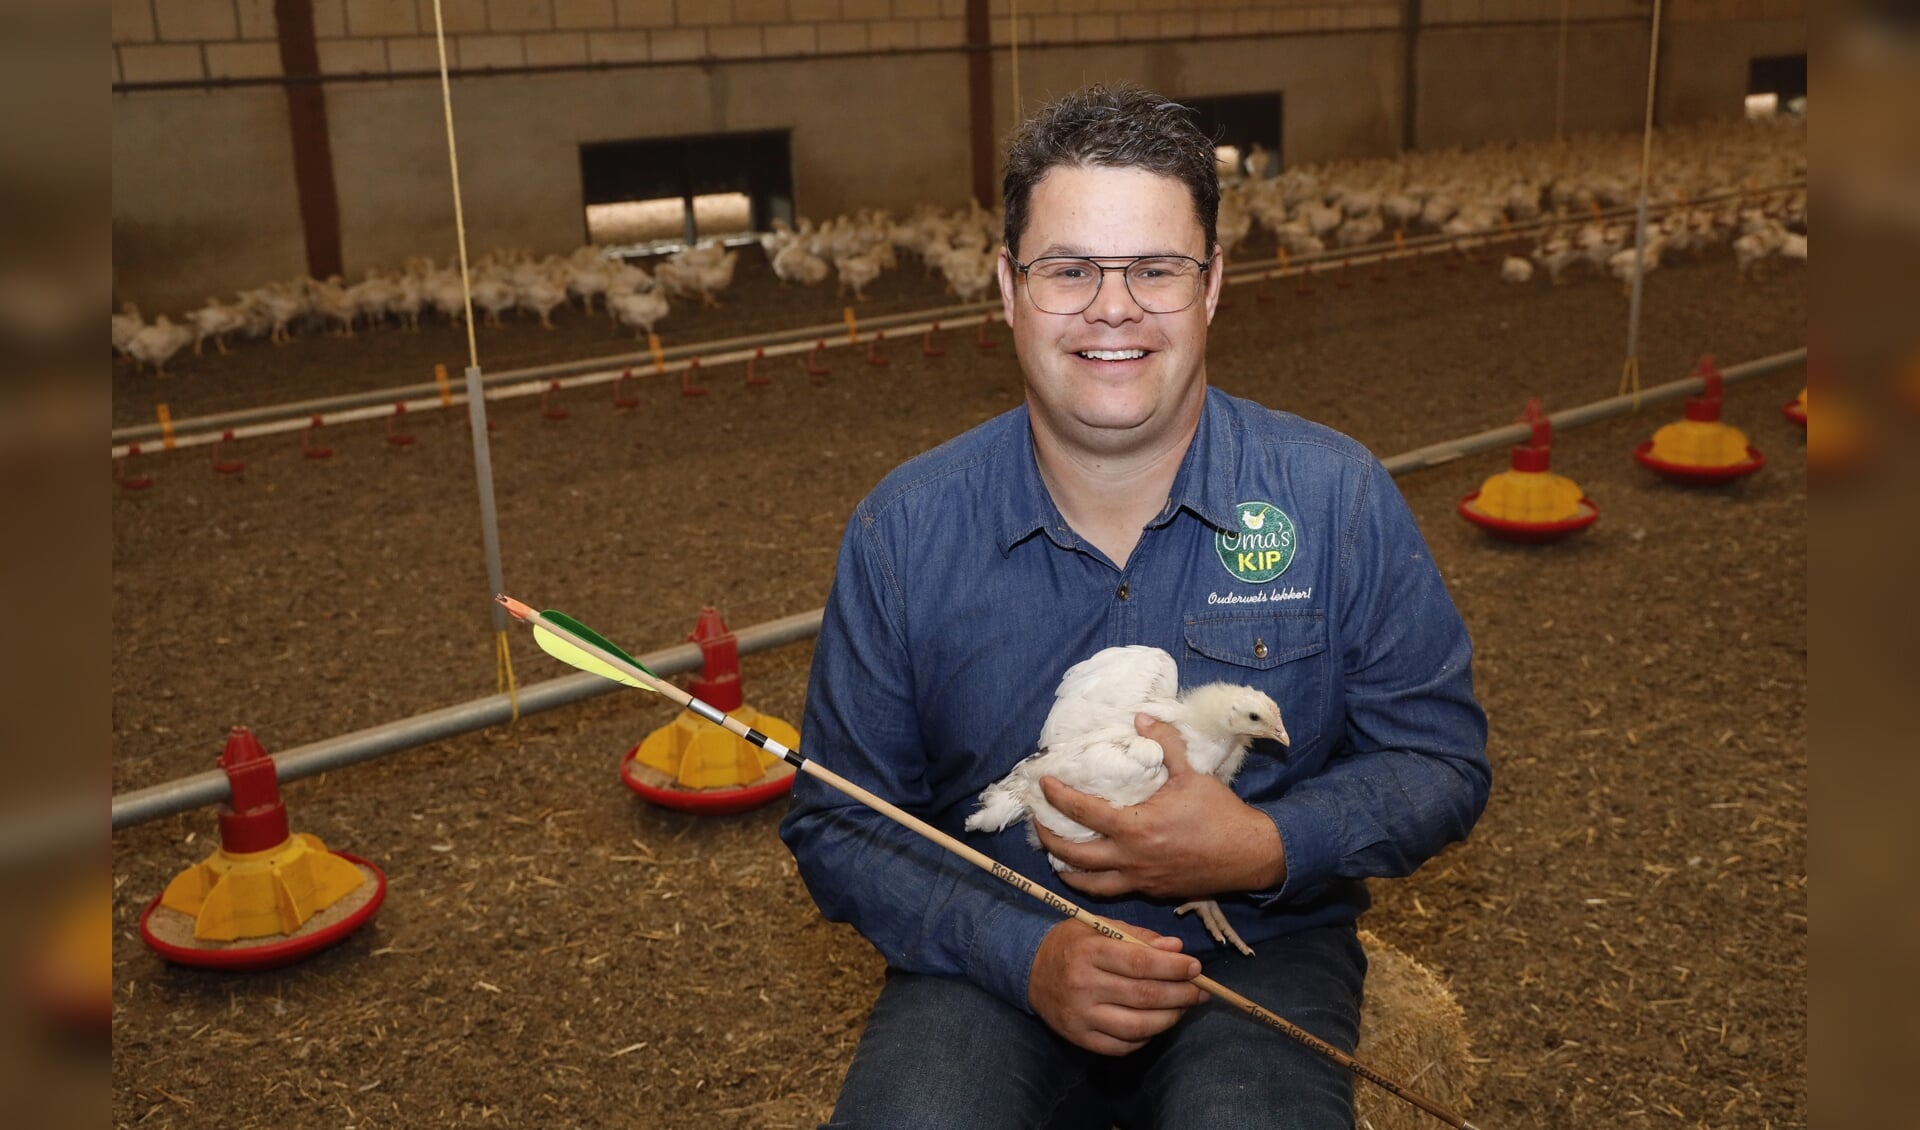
1089	743
215	320
1516	270
125	324
1234	222
795	264
969	272
856	271
698	272
638	309
156	344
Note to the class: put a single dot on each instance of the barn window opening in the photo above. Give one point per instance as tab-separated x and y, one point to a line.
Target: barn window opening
1246	131
1776	84
649	195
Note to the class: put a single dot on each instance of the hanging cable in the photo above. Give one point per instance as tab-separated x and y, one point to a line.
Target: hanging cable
476	399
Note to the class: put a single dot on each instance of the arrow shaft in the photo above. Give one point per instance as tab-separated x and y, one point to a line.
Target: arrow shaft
976	857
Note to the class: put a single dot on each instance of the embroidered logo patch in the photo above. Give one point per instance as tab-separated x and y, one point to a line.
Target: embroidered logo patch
1262	547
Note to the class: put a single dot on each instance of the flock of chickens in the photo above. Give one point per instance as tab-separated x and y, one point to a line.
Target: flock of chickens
1307	210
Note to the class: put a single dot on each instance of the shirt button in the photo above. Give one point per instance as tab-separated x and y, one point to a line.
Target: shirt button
1259	649
1124	592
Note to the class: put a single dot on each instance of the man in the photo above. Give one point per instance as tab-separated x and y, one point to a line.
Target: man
1126	503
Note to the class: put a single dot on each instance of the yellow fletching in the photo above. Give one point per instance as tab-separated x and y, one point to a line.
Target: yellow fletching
573	656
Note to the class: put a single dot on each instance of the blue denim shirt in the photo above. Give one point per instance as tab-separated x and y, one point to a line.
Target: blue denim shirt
961	596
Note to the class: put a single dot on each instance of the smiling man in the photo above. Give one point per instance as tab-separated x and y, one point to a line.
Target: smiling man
1126	503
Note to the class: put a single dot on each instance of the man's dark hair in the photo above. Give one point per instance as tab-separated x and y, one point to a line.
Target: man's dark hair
1124	127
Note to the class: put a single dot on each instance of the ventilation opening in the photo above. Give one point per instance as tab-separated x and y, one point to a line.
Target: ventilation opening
1246	130
1776	84
660	194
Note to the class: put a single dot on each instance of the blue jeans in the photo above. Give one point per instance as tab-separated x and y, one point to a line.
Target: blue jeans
940	1052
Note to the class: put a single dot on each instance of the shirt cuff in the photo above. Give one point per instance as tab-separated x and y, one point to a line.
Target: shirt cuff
1307	846
1005	940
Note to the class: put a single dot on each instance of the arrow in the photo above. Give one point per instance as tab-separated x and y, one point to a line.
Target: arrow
577	645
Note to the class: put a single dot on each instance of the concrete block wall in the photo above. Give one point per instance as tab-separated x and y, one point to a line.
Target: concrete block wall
874	93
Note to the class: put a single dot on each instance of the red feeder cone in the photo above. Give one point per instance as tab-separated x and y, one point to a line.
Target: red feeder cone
1529	503
225	466
691	764
874	356
548	409
309	448
687	387
268	896
1700	449
620	398
981	338
129	481
815	370
927	348
758	354
399	438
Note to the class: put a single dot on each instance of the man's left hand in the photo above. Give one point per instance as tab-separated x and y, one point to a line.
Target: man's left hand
1191	839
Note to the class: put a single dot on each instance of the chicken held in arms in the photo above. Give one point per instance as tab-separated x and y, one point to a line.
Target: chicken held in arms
1089	743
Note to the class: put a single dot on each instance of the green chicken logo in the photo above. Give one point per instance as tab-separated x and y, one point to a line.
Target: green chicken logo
1262	547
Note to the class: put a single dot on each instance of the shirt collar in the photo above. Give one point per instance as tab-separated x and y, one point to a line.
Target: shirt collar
1204	485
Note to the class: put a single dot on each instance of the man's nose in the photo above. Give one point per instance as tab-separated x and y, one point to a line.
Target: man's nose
1114	303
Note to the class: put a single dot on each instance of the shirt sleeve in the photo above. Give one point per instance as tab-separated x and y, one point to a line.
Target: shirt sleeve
925	909
1411	775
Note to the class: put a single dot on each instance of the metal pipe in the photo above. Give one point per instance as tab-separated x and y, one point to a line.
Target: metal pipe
1433	455
187	793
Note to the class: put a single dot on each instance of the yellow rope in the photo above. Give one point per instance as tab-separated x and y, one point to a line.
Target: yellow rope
1630	379
503	672
503	651
453	159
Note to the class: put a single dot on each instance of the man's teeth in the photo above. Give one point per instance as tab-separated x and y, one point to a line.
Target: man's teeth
1113	354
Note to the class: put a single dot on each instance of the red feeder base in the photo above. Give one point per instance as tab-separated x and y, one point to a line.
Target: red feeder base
1795	411
705	802
270	954
1698	476
1529	533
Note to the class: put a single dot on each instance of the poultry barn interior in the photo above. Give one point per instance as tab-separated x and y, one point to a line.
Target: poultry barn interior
1430	210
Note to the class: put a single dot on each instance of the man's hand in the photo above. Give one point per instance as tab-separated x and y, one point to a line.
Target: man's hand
1108	996
1191	839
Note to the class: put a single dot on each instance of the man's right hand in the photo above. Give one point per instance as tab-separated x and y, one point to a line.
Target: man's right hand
1109	996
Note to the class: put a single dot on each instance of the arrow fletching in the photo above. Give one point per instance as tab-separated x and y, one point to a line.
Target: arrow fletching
566	651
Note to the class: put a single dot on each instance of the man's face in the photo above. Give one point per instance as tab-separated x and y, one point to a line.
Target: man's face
1110	406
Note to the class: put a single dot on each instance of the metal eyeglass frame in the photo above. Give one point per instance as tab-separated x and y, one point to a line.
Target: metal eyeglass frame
1125	281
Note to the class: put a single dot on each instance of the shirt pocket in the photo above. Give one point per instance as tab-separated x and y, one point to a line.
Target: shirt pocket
1283	653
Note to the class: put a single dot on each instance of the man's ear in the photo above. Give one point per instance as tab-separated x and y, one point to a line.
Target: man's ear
1216	278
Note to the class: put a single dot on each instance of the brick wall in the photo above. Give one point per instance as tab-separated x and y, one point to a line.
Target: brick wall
173	40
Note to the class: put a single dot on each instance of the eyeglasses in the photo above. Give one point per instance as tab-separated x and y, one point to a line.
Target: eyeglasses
1161	284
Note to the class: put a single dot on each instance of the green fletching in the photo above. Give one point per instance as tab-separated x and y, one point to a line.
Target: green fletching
566	651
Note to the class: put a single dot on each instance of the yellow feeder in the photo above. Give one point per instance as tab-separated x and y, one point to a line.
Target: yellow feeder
1701	448
258	900
1528	502
691	764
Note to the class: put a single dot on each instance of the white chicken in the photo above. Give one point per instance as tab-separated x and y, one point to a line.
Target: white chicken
215	320
698	272
125	324
157	343
795	264
969	272
1516	270
1089	743
856	271
638	309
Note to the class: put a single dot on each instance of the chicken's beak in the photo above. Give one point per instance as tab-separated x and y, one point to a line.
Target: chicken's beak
1279	734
